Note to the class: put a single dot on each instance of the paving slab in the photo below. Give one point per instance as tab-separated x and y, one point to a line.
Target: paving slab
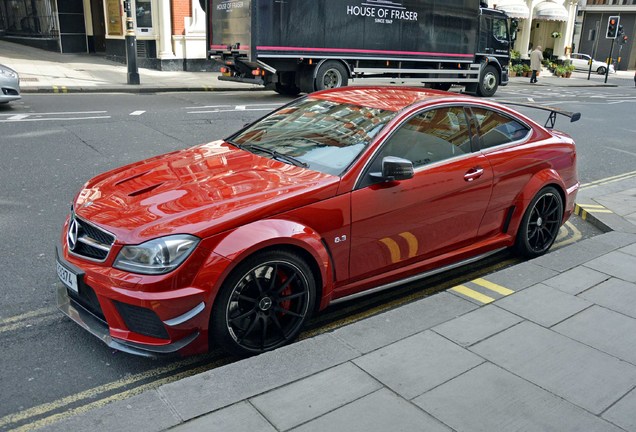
631	249
621	203
240	417
145	412
577	280
543	305
578	373
615	294
565	259
418	363
617	264
309	398
488	398
381	330
477	325
622	414
381	411
605	330
227	385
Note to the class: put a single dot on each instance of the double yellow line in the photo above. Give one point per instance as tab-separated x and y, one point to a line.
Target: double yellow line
480	297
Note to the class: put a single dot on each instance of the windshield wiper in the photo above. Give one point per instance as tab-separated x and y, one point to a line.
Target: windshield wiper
276	155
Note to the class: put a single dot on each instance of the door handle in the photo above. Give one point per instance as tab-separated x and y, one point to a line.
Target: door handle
473	173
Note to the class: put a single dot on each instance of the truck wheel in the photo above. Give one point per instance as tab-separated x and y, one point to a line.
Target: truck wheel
489	82
263	304
286	89
331	74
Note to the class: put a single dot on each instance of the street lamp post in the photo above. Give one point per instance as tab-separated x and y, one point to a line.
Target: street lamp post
131	45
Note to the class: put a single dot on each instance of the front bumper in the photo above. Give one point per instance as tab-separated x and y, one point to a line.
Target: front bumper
146	316
98	328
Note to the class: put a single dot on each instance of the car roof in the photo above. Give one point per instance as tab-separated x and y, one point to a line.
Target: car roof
390	98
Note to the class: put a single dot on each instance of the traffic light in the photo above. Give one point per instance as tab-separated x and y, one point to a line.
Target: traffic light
612	27
623	40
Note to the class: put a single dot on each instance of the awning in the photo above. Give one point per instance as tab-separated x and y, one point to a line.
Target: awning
514	8
550	11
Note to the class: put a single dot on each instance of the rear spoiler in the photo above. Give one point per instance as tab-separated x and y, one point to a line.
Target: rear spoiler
549	123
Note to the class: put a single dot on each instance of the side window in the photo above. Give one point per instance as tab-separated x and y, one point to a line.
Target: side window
428	137
497	129
500	29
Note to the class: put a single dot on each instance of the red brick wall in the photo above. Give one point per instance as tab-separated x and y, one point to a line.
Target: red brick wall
180	9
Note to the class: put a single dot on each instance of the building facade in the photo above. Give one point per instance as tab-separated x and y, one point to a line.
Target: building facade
545	23
592	39
170	33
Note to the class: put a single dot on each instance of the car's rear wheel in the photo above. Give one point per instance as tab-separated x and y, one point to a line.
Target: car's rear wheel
331	74
264	303
540	224
489	82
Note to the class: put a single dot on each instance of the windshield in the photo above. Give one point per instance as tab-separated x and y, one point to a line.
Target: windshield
321	135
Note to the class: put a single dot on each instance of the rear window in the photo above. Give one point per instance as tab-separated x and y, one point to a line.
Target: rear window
497	129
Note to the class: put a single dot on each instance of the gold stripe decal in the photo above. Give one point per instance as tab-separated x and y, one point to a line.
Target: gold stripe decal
411	240
393	247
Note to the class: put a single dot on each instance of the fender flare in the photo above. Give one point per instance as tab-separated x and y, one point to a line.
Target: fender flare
541	179
249	239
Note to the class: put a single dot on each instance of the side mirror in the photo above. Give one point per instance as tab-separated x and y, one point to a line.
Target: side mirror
395	169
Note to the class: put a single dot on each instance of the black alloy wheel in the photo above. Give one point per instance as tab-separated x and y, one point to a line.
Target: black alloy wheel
540	224
264	303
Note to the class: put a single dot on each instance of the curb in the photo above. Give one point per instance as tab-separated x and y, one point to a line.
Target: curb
131	89
586	212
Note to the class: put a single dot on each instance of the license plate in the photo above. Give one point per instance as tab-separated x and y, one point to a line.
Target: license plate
67	277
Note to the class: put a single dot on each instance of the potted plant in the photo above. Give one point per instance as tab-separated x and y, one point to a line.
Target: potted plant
526	70
568	70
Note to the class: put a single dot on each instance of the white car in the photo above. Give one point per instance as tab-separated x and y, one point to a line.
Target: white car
9	85
582	62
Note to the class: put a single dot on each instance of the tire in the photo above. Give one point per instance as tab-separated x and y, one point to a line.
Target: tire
540	224
286	89
331	74
601	70
441	86
489	82
263	304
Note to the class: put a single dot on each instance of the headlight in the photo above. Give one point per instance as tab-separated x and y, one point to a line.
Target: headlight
156	256
8	72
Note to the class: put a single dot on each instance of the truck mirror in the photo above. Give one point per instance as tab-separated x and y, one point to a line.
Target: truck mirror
514	26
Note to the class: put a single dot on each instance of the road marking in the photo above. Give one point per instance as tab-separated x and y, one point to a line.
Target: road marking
93	392
137	113
57	113
27	319
18	117
54	119
240	108
464	290
492	286
608	180
60	89
564	238
116	397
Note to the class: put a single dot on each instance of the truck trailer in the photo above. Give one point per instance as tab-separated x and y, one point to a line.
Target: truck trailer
294	46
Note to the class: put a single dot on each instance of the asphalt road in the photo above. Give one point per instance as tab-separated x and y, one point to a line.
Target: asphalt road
51	144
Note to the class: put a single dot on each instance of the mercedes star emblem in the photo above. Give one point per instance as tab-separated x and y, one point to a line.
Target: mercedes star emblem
73	233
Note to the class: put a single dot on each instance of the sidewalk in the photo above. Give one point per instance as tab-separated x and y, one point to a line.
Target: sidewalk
555	351
48	72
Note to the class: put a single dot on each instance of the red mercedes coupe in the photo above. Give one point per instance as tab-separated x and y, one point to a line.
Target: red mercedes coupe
344	192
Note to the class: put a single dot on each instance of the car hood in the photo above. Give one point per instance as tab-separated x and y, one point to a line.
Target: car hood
203	190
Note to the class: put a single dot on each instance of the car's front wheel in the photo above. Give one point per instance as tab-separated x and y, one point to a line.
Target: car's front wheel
540	224
601	70
263	304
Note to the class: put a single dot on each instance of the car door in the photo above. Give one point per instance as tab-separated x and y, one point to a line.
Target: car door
502	140
396	223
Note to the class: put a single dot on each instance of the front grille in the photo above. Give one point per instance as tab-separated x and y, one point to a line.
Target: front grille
88	299
141	320
9	92
87	240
